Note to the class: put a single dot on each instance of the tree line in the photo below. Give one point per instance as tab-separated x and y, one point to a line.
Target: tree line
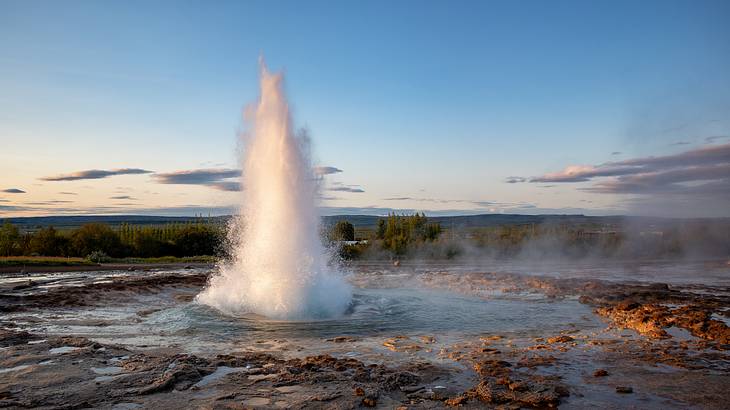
177	239
394	236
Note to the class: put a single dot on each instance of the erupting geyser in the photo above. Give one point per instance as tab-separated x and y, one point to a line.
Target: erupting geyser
279	268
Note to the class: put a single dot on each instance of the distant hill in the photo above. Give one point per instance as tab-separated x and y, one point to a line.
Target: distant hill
359	221
74	221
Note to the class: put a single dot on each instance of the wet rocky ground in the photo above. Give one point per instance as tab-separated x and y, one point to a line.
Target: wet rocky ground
657	346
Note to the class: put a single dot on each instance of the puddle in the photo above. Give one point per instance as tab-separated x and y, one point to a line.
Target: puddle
680	334
118	359
217	374
63	349
111	370
14	369
721	318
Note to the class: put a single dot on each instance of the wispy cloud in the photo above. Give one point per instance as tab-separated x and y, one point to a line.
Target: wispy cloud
67	193
217	178
680	143
716	138
709	155
326	170
432	200
382	211
699	176
13	191
475	204
514	180
230	186
96	174
127	197
51	202
616	153
120	209
346	189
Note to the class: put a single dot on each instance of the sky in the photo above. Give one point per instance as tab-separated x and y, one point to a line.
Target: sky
531	107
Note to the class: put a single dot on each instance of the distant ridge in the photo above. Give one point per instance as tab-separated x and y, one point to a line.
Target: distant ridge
359	221
72	221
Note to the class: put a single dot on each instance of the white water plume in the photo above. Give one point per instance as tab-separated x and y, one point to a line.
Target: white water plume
279	267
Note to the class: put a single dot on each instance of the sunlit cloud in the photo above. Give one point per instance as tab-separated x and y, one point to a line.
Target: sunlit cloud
698	179
230	186
96	174
216	178
713	155
326	170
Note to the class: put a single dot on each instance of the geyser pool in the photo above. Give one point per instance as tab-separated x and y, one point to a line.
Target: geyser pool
279	268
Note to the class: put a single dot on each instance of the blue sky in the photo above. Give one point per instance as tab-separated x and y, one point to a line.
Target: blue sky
423	105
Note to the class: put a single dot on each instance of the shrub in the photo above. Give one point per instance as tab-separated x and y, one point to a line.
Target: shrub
342	231
96	237
98	257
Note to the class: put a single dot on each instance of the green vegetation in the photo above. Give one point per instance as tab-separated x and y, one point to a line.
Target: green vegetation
398	232
42	261
342	231
101	243
415	236
167	259
394	236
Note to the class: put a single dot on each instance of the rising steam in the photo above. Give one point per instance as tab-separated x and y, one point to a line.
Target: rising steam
279	267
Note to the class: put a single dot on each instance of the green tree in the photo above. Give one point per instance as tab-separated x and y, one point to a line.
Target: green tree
9	239
342	231
47	242
380	232
146	244
96	237
197	240
398	231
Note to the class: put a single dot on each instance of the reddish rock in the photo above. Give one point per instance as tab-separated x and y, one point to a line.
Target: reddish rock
560	339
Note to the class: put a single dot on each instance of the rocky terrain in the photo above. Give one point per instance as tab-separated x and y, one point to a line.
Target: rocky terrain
662	346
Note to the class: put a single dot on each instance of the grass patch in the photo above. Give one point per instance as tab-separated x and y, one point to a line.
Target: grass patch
42	261
64	261
166	259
